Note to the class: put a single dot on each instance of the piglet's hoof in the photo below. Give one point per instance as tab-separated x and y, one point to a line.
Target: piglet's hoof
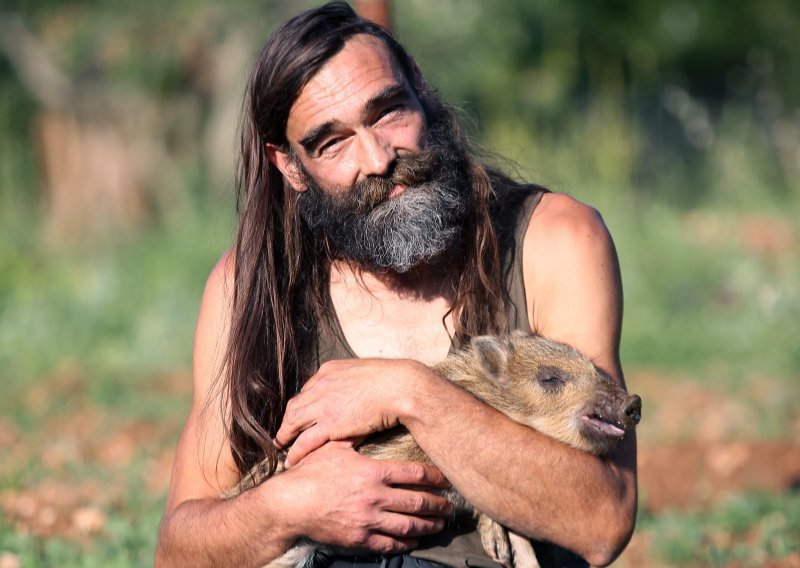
494	538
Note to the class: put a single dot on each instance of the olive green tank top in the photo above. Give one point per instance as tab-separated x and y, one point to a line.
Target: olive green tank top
511	214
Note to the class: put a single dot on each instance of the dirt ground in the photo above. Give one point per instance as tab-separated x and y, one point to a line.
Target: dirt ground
696	447
699	445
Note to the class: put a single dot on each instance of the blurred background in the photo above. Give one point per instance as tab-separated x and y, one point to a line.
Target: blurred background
678	120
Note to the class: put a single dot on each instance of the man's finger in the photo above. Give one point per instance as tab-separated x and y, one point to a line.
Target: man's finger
309	384
413	473
324	369
419	503
408	526
294	422
387	545
308	441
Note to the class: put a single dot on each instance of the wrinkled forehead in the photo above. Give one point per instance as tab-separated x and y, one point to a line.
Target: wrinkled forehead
344	84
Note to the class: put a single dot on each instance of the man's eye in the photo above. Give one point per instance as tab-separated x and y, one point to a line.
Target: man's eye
329	146
391	109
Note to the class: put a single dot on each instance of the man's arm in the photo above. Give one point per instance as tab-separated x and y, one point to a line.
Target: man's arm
584	503
517	476
335	496
198	528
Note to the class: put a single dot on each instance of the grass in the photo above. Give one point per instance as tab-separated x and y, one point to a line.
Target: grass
125	310
747	529
718	308
126	539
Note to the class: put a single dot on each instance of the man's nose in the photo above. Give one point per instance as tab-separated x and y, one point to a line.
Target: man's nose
377	153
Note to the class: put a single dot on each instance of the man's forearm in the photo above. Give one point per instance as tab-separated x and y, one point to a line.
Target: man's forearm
524	480
211	532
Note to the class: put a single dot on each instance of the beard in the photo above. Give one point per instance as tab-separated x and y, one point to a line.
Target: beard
418	226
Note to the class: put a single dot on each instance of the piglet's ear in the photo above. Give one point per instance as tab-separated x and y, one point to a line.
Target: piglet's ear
492	355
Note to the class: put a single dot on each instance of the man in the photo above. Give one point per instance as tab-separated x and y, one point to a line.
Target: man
370	241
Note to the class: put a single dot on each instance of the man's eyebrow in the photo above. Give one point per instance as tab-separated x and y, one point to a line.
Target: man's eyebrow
310	140
390	94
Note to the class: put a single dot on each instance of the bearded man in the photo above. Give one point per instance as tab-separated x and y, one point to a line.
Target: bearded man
372	241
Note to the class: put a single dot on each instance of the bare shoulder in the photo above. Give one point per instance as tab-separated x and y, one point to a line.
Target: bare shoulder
567	238
563	221
212	323
572	278
219	286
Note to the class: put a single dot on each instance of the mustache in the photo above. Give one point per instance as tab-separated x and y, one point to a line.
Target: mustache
410	170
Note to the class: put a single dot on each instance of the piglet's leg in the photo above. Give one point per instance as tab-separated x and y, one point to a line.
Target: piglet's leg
494	538
522	551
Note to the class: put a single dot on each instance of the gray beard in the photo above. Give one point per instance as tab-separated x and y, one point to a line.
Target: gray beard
418	226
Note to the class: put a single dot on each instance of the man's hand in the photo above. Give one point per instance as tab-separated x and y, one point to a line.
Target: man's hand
348	399
344	498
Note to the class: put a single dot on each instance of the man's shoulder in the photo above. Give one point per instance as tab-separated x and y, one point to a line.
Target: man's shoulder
218	290
224	270
565	239
562	220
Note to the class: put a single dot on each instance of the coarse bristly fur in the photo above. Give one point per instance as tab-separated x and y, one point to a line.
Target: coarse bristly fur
543	384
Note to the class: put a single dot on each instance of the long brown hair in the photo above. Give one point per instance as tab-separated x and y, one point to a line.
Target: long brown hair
281	275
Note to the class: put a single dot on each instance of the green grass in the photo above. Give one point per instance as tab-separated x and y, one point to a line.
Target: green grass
98	332
746	529
115	314
716	309
127	539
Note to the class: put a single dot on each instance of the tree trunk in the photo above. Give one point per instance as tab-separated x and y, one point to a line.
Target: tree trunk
378	11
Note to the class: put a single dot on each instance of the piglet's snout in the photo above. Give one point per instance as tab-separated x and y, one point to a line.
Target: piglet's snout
632	408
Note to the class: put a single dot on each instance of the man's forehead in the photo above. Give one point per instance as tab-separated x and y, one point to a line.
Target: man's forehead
344	84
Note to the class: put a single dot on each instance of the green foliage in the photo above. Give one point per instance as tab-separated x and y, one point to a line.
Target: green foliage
121	311
716	308
127	540
673	70
746	529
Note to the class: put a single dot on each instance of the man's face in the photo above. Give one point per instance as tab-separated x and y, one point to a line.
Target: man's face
369	226
353	118
384	190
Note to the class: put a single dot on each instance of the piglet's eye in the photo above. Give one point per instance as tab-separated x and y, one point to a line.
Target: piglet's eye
552	378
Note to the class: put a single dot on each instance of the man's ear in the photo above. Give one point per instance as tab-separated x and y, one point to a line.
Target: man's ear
287	165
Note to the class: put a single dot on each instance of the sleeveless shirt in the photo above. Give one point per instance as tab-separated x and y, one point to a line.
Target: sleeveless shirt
511	214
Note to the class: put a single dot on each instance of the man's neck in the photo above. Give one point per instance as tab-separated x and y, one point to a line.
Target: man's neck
423	282
394	315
